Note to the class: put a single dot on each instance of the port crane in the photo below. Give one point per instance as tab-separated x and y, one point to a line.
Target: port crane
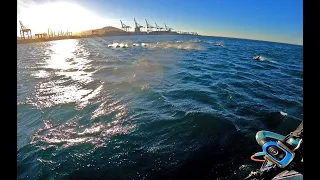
138	26
167	28
158	27
149	27
24	30
124	27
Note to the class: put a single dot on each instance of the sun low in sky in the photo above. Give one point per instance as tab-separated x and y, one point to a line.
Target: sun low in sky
269	20
58	16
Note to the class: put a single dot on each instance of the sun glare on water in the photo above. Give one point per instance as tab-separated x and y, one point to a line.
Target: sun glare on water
58	16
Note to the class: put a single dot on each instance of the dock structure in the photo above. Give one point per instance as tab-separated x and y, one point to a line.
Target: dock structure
125	27
138	26
167	28
191	33
158	28
52	35
41	35
24	30
152	30
149	27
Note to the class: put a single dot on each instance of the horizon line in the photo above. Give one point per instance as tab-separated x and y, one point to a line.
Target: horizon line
255	40
210	36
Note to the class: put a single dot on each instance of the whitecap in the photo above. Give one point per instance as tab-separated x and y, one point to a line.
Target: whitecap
283	113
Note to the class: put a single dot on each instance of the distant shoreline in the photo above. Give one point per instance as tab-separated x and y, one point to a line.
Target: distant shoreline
110	34
25	41
268	41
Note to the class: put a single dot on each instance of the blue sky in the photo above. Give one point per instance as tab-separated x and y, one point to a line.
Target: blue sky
270	20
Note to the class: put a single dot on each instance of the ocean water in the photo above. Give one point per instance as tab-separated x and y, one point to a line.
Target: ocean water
174	107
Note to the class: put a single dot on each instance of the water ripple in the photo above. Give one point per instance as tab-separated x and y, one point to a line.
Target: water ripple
174	105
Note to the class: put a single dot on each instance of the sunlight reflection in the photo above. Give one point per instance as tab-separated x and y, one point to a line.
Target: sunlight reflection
68	73
62	52
108	108
74	132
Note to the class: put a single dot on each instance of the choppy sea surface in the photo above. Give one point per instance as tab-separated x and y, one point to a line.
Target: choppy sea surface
152	107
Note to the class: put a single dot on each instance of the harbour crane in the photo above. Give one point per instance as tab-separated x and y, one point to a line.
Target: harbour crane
138	26
158	27
124	27
24	30
149	27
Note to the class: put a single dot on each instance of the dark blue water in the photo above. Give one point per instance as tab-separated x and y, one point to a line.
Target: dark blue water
178	108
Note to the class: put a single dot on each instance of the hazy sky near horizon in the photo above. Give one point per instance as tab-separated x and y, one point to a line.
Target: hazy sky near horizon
270	20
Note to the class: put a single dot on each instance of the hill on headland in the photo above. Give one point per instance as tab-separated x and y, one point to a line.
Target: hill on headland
101	30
